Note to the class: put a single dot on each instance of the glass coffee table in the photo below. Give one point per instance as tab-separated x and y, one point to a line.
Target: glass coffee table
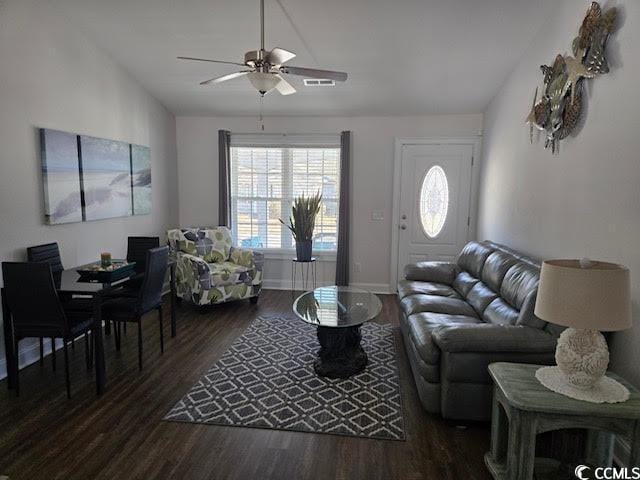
338	313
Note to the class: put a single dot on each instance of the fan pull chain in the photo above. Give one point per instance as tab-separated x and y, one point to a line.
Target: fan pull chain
261	120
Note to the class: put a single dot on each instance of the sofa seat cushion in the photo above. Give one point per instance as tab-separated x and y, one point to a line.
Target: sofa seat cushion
408	287
228	273
436	304
420	326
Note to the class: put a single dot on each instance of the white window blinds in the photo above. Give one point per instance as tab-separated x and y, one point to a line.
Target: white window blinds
268	172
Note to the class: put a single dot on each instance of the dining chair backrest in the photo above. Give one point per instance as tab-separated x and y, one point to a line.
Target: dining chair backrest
32	299
48	252
155	272
137	248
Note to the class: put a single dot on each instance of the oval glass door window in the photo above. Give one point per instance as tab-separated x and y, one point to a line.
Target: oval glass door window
434	201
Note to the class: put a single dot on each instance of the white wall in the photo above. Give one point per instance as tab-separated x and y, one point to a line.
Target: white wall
372	178
584	201
52	76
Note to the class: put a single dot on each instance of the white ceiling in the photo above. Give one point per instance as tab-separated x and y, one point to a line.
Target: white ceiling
404	57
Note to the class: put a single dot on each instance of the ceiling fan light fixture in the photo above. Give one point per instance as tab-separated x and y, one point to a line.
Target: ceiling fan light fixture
263	82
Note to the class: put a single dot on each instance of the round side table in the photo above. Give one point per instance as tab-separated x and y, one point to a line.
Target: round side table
308	276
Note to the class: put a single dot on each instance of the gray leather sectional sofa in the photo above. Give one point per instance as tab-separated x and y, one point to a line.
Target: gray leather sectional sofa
458	317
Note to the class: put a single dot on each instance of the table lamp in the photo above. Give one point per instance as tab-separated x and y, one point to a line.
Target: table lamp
588	297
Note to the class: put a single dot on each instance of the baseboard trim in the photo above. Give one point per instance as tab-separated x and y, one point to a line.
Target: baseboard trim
29	354
380	288
285	284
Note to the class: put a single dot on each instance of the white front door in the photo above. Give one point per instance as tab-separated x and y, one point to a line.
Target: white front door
435	193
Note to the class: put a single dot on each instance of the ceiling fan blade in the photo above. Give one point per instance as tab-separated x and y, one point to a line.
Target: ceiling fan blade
284	87
278	56
224	78
212	61
314	73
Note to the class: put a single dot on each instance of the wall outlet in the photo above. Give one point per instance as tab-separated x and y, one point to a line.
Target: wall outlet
358	266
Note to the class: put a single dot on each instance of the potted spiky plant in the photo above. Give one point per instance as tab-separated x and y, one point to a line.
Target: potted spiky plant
302	222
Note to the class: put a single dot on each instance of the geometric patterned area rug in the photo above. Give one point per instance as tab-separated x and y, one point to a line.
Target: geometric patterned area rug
266	380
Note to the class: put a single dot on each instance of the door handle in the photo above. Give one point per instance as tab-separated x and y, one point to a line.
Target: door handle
403	227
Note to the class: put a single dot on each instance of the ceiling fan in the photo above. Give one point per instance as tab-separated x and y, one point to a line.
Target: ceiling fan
265	68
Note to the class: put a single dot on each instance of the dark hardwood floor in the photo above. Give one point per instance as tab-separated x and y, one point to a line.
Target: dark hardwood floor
121	435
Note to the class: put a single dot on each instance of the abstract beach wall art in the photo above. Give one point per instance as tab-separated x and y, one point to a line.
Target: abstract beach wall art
106	178
87	178
141	179
61	177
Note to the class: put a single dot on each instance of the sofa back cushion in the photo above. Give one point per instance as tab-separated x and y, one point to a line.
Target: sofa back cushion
519	281
464	282
211	244
472	257
495	268
480	296
527	316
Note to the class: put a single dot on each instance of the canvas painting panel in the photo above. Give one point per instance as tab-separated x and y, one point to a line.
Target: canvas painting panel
61	177
106	173
141	180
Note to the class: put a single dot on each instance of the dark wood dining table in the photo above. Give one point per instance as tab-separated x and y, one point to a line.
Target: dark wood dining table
70	283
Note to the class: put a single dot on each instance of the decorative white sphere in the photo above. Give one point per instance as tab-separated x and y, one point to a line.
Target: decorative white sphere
583	356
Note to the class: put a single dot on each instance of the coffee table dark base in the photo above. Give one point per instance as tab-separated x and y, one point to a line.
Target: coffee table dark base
340	354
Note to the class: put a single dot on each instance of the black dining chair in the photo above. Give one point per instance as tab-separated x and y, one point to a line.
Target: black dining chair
137	248
36	311
50	253
126	306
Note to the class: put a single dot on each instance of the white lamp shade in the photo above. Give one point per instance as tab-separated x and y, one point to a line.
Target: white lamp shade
595	296
263	82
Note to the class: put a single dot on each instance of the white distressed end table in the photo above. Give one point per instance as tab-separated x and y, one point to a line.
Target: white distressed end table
523	408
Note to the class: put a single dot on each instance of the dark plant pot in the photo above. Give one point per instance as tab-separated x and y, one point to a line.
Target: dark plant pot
303	250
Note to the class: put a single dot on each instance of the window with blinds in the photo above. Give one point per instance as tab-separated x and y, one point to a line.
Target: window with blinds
264	182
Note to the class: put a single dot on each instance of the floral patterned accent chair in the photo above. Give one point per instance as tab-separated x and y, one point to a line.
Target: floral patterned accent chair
210	270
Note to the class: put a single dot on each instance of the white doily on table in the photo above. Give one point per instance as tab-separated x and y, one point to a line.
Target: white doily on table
606	390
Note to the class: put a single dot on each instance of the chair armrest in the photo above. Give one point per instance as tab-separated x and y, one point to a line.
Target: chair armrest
247	258
440	272
192	273
194	263
487	337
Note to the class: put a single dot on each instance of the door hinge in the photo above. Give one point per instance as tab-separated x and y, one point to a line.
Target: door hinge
472	160
468	222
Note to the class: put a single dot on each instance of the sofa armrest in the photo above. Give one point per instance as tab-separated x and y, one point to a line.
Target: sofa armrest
440	272
487	337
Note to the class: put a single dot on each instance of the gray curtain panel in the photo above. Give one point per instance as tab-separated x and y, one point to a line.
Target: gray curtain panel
342	260
224	177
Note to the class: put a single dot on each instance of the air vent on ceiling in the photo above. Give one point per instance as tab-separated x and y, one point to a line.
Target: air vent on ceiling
319	82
